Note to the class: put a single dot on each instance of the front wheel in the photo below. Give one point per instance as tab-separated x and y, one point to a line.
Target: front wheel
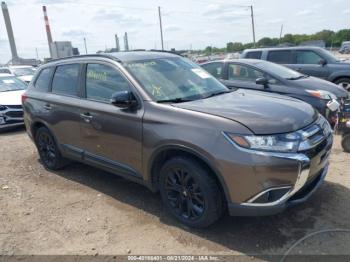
346	143
190	193
344	83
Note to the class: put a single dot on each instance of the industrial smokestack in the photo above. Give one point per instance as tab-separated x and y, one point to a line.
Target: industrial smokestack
48	30
117	46
126	43
7	19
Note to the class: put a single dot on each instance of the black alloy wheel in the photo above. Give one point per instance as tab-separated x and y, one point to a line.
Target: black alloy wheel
190	192
48	151
184	193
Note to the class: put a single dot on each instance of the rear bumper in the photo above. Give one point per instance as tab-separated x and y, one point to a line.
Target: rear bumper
301	195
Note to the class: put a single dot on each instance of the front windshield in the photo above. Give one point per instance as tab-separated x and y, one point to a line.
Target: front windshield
279	70
24	71
174	79
11	84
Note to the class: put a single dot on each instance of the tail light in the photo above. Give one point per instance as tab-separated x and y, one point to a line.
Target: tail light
24	98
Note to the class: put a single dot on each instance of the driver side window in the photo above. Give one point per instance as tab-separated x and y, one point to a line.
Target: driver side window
243	73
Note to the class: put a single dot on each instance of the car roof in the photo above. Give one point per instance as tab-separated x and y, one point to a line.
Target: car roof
6	75
120	56
240	60
20	66
283	48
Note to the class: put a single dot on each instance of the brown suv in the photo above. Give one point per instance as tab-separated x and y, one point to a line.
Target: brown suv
160	120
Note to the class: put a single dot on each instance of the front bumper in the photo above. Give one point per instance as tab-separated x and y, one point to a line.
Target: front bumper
12	116
303	192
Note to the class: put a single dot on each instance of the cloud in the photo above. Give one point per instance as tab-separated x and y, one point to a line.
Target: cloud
116	17
226	12
275	21
305	13
346	12
171	28
75	33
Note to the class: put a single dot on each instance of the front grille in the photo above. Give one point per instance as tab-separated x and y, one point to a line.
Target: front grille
14	106
15	114
310	184
315	136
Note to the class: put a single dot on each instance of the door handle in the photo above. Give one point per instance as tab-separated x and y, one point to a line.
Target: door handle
86	116
47	107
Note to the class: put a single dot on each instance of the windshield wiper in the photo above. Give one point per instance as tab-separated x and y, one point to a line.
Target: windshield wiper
174	100
218	93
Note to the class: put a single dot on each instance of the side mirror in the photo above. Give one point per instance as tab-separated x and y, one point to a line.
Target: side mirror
262	81
322	62
124	99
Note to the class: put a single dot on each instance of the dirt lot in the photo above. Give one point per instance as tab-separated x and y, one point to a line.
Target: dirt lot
81	210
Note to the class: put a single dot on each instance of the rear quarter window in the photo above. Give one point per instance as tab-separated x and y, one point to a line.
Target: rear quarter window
280	57
43	80
253	55
65	80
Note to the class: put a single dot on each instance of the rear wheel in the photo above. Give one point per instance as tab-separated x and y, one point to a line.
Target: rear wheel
346	143
190	193
48	150
344	82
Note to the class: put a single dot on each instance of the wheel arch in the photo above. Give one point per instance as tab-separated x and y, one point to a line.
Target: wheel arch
161	155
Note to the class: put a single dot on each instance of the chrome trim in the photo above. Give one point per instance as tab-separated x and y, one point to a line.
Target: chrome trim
266	191
10	125
301	180
4	113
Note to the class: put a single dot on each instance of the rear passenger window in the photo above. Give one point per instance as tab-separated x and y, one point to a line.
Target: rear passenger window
280	57
253	55
103	81
214	68
43	81
65	80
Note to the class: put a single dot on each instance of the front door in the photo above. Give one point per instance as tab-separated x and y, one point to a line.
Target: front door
111	136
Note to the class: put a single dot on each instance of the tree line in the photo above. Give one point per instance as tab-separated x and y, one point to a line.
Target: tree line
331	39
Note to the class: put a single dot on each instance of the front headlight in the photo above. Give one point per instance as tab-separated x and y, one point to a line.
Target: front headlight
322	94
296	141
277	143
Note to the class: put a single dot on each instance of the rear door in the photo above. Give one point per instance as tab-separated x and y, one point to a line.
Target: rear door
61	107
111	136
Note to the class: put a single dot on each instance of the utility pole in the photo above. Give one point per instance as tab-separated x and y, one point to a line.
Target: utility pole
37	54
281	32
85	45
253	26
161	27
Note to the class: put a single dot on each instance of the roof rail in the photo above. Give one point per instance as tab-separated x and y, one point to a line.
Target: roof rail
164	51
105	55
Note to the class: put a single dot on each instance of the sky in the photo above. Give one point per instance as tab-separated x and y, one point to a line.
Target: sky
186	23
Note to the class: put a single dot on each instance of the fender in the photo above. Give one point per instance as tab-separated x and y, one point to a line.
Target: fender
338	74
189	150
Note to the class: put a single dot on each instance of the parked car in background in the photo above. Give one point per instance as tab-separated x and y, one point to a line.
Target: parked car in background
345	48
23	72
11	90
160	120
313	61
265	76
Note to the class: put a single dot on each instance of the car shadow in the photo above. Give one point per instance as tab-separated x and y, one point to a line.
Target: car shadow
248	235
12	131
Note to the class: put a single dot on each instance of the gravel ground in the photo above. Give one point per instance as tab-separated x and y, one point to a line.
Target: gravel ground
82	210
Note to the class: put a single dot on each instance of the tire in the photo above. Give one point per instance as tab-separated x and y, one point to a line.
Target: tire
49	153
345	142
344	82
190	193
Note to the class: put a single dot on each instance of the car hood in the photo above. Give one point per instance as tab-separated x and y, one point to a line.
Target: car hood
26	78
263	113
314	83
11	98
